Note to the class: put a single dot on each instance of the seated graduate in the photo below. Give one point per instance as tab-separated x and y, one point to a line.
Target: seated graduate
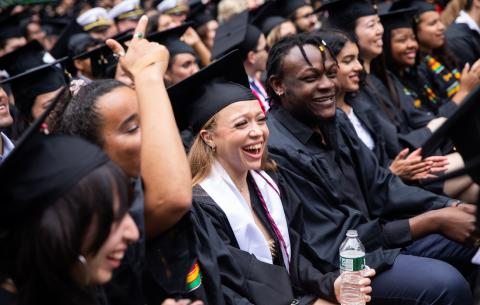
35	78
446	82
137	129
463	36
64	223
228	160
359	19
402	124
409	167
406	230
400	38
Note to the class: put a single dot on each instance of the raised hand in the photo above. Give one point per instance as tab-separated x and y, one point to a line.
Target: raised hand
142	56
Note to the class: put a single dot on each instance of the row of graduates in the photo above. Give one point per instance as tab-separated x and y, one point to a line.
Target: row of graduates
334	163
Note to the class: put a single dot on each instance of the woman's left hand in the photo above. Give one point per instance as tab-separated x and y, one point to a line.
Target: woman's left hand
364	283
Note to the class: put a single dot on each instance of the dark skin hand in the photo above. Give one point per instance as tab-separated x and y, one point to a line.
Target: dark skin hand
456	223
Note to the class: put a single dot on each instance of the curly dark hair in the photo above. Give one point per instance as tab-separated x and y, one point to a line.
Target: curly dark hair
81	117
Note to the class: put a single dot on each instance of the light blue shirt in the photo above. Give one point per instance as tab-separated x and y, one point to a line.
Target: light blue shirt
7	146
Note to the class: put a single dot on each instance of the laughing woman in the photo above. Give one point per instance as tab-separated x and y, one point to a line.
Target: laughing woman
246	205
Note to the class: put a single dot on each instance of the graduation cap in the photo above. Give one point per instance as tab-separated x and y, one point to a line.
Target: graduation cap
171	40
398	19
50	165
199	13
236	33
102	61
463	128
126	10
60	49
288	7
9	28
33	72
267	16
199	97
342	13
79	43
419	5
54	26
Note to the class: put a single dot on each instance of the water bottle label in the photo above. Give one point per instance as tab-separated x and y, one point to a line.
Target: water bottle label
352	264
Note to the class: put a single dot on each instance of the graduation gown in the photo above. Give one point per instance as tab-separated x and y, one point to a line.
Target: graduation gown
303	281
343	187
228	274
401	125
464	43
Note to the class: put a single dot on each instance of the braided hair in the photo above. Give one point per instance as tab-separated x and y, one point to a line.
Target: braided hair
279	50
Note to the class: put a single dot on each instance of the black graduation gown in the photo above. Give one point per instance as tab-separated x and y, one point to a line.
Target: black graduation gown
463	43
370	121
269	283
343	187
402	125
228	274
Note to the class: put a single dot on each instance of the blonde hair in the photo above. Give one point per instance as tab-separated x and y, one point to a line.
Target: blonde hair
201	156
229	8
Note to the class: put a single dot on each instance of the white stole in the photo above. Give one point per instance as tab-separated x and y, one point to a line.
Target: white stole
220	187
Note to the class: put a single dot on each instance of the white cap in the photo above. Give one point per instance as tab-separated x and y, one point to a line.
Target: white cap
126	9
167	5
93	18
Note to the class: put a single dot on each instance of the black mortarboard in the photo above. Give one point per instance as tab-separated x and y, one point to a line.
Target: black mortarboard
24	58
79	43
398	19
9	28
236	33
343	13
463	128
199	13
199	97
54	26
60	49
40	169
34	82
102	61
171	40
419	5
288	7
266	17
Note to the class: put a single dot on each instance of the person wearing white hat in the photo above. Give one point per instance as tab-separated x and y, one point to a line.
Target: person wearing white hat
97	23
177	9
126	14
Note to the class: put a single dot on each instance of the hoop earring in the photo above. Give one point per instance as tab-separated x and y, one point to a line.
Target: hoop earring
86	275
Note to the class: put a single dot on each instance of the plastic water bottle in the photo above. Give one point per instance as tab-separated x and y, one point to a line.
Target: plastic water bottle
352	262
